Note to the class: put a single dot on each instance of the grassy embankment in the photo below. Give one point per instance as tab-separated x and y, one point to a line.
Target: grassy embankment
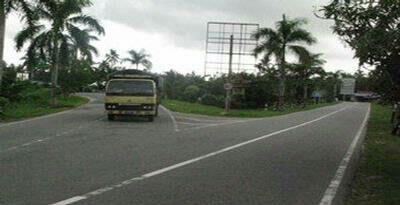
195	108
38	107
377	180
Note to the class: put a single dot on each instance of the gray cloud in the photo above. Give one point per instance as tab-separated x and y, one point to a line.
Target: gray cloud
182	24
185	21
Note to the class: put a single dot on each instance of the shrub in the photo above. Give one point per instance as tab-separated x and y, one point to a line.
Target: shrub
209	99
3	102
191	93
39	95
238	101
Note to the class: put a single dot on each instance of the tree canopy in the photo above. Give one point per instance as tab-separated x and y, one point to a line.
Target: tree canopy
372	29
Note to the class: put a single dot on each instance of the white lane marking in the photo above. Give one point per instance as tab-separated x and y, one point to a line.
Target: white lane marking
46	116
191	161
331	191
70	201
203	120
189	123
43	140
172	118
34	142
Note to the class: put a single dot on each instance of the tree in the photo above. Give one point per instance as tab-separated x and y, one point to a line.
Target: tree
139	58
112	58
288	36
58	34
6	6
309	65
371	29
335	77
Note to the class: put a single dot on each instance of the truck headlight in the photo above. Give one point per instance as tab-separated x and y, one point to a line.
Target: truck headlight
147	107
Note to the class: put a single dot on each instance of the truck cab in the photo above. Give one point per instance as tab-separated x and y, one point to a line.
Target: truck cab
132	95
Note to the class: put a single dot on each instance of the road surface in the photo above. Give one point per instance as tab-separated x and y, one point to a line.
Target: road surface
78	157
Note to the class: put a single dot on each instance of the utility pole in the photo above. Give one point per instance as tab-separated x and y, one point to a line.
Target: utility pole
229	86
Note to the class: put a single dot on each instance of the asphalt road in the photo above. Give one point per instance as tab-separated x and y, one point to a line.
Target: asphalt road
78	157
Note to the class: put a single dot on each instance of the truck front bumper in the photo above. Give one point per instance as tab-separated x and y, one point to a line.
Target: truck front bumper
132	112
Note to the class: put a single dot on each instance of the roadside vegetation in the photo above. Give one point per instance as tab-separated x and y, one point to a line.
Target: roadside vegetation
32	100
378	179
197	108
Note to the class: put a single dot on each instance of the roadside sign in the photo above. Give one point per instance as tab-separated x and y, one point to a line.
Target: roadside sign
228	86
348	86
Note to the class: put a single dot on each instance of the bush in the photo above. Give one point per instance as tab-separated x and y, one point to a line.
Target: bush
3	102
39	95
210	99
238	101
191	93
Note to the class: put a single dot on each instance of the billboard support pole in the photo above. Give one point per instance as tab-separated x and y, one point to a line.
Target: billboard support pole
229	88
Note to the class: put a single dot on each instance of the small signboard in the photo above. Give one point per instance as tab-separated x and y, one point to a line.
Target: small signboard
348	86
228	86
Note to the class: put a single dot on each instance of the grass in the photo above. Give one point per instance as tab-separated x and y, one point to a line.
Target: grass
377	180
23	110
196	108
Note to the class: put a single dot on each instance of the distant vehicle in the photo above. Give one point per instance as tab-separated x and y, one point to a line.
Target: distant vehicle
132	93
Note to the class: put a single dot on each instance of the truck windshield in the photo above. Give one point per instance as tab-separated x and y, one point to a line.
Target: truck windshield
130	87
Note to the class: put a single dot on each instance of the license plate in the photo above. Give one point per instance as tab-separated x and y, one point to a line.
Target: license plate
131	112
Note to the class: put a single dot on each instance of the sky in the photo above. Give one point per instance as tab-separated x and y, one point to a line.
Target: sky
174	31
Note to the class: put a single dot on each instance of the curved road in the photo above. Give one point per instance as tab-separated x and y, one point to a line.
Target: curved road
78	157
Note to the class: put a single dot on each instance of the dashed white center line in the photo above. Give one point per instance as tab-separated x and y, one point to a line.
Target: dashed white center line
43	140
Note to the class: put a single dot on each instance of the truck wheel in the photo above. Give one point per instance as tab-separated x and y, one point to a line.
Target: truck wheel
111	117
151	119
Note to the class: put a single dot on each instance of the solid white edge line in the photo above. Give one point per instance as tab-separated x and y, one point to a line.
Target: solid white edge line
334	185
172	118
191	161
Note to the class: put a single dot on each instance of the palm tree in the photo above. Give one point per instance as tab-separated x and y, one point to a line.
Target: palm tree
112	57
58	34
6	6
288	36
309	65
139	58
336	76
80	44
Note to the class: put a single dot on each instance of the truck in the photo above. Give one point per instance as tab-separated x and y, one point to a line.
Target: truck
132	93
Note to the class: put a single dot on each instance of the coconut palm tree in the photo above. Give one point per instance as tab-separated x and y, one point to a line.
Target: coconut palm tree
80	44
6	6
289	36
309	65
59	34
112	57
139	58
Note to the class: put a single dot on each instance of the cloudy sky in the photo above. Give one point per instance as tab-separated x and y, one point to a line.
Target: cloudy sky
174	31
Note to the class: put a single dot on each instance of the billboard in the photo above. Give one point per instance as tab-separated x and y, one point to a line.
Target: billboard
348	86
221	55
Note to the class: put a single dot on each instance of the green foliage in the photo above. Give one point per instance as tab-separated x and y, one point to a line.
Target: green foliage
276	43
21	110
371	28
210	99
60	36
191	93
196	108
139	58
75	78
3	102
